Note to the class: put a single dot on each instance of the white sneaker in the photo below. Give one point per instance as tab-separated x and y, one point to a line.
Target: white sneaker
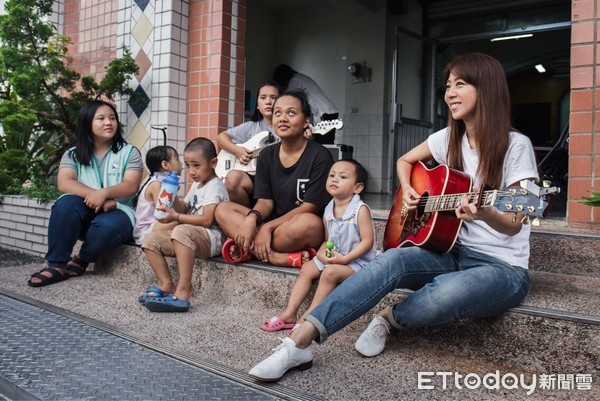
285	357
372	341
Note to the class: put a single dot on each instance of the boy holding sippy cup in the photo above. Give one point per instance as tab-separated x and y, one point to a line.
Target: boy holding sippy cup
187	233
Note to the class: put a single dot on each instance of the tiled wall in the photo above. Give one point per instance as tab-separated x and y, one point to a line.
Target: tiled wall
91	26
217	36
365	133
23	224
58	15
156	33
584	135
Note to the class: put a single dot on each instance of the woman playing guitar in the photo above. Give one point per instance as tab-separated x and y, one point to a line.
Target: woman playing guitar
483	274
238	183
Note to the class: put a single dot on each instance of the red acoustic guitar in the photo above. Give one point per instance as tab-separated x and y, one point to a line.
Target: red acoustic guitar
433	224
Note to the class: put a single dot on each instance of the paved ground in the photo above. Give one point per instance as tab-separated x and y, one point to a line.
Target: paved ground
97	364
224	328
10	258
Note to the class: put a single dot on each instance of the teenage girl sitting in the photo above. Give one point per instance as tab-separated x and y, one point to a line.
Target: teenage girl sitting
285	225
239	183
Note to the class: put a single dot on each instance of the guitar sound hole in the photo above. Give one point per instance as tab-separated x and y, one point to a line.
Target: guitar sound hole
420	211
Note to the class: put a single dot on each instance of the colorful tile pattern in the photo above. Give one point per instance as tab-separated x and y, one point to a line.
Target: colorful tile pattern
142	3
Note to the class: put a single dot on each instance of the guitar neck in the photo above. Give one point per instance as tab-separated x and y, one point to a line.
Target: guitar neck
443	203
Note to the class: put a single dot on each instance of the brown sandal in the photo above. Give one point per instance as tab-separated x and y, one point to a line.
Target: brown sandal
76	266
55	277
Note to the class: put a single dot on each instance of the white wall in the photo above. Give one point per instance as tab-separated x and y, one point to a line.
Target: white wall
24	224
322	41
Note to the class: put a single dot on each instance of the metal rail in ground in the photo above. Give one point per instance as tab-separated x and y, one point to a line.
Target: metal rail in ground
50	353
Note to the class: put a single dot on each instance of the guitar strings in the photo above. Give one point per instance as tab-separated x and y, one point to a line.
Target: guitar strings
454	199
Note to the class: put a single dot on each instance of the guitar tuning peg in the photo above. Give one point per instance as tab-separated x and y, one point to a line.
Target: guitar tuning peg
525	219
536	222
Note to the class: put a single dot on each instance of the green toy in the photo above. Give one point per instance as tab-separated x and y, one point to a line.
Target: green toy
328	247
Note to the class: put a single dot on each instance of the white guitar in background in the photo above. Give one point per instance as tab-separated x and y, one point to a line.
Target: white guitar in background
226	161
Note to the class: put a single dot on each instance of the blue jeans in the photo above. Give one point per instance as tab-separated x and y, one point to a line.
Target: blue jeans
460	283
71	219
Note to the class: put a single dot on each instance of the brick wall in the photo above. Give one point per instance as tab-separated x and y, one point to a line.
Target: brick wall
584	130
23	224
216	66
90	25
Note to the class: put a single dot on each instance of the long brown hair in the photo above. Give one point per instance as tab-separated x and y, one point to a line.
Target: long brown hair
492	115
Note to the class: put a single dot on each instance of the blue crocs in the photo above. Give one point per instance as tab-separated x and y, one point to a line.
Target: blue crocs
152	292
167	303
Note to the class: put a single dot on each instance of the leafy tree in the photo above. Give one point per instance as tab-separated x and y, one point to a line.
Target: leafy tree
40	95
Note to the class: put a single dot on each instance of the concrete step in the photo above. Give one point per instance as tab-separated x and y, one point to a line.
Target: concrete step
564	294
560	299
232	300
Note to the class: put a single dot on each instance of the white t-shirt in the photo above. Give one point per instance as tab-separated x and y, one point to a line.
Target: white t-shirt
213	192
519	164
245	131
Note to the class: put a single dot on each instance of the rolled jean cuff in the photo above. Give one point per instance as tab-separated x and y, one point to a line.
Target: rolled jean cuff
323	335
390	314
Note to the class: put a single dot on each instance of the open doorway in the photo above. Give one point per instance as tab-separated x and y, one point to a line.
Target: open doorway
532	41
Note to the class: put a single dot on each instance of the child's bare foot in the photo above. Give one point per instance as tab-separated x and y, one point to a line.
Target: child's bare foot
184	294
168	288
153	292
233	253
292	259
287	317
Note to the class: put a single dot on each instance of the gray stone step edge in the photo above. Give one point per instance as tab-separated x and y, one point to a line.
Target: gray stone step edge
273	389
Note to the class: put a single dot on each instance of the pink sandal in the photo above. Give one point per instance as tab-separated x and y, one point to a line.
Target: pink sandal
276	324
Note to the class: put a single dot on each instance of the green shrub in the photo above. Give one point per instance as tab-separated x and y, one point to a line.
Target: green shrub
14	168
42	190
21	176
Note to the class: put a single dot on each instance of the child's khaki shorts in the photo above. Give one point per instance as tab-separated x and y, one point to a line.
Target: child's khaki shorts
190	236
